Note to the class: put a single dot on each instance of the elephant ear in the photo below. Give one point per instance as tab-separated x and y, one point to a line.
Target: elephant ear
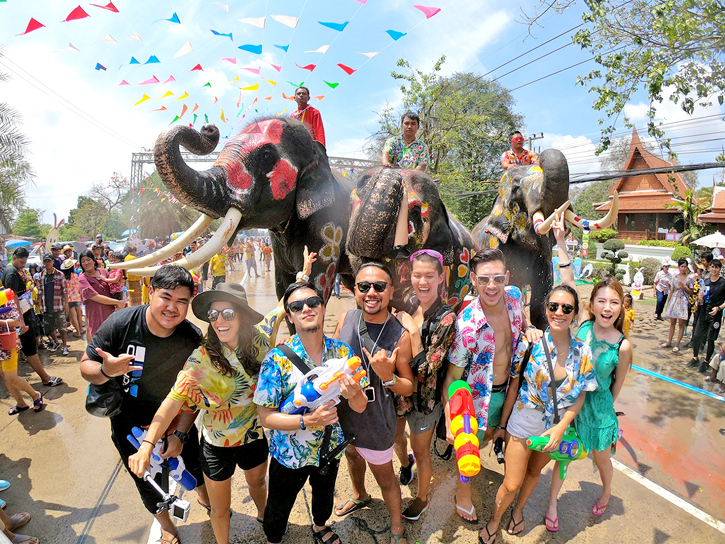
316	186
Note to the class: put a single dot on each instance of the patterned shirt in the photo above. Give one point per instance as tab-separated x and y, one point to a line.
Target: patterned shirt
662	281
14	314
535	391
526	157
406	155
474	347
115	274
59	291
74	292
229	416
277	380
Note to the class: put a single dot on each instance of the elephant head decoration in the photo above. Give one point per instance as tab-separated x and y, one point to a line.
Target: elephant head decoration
528	199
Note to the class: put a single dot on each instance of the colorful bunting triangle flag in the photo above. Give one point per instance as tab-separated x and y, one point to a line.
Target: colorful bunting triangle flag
124	82
225	7
153	59
185	49
267	98
195	116
176	118
319	96
287	97
251	87
168	93
322	49
335	26
144	98
349	71
76	14
333	85
135	37
259	23
150	81
162	108
100	66
32	25
170	79
271	82
233	60
107	39
370	55
134	61
173	19
278	68
207	84
395	34
183	111
196	107
283	47
286	20
229	35
109	7
251	48
310	67
428	11
206	118
197	68
185	95
253	70
295	85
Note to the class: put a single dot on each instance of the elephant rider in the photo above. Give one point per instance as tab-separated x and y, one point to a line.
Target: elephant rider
308	115
384	346
488	333
517	155
405	150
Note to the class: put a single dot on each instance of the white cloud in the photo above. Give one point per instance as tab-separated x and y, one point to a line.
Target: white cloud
348	147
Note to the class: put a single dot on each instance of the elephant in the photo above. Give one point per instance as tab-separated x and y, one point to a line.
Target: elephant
520	220
273	175
376	202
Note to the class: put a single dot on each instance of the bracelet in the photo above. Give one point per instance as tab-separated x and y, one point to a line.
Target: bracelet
106	375
154	445
500	428
302	276
565	265
302	422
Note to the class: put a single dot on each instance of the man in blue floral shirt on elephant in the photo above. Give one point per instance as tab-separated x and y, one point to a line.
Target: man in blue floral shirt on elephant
296	441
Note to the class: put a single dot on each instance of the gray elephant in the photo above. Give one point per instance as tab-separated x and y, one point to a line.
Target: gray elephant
519	223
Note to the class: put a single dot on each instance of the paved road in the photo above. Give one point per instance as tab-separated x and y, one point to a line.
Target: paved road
64	471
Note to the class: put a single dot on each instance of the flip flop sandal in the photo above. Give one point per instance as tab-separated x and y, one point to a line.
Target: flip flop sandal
510	530
397	538
599	510
665	345
24	539
15	410
489	537
319	536
357	505
38	403
18	520
675	350
53	381
470	512
552	525
174	540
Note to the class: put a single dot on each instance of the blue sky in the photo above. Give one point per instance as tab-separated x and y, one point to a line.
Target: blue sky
83	126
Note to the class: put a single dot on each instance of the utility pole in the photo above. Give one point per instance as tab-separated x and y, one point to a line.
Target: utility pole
533	138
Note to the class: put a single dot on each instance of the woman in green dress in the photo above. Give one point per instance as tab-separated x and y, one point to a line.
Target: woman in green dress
596	423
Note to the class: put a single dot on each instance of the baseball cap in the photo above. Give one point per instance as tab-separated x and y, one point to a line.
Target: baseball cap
48	257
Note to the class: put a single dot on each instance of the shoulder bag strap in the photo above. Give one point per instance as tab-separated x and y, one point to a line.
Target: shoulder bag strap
524	364
365	339
551	379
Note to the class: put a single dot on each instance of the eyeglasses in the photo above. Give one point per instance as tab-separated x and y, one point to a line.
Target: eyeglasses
554	306
379	286
227	314
498	279
297	305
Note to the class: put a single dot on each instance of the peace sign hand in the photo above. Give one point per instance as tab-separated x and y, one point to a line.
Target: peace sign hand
117	366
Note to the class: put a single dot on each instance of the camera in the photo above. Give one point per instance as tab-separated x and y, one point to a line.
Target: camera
178	508
498	450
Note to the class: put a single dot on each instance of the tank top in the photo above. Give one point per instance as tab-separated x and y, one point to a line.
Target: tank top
374	429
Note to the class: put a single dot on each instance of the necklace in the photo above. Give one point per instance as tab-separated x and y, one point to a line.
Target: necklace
375	344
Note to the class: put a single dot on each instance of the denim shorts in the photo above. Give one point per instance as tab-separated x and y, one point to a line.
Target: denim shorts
526	422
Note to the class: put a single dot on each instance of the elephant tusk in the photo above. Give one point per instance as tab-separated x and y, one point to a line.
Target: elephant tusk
597	224
207	251
175	246
543	226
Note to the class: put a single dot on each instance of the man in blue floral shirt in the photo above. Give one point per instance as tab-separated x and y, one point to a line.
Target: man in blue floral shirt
405	150
296	440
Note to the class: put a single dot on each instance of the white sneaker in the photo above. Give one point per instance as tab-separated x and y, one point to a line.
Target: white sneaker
53	346
65	350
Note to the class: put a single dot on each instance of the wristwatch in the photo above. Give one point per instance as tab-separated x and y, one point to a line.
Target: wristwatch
391	382
183	437
302	423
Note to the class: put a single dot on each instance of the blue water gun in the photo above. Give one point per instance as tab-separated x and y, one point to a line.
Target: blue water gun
177	469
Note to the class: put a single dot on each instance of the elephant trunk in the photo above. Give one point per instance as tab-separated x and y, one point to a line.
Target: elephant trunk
376	202
555	186
205	191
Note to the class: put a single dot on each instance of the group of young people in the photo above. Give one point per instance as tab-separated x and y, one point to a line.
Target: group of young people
524	381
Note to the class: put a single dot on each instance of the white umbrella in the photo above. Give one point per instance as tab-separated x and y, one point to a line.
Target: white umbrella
711	240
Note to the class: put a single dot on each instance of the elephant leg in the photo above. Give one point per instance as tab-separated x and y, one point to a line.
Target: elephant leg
541	284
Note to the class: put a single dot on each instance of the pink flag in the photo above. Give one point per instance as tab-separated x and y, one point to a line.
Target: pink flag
162	108
233	60
76	14
35	25
349	71
170	79
278	68
428	11
197	68
109	7
124	82
215	100
151	81
253	70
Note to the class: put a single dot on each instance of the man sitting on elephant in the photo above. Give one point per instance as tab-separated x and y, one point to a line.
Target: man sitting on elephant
406	151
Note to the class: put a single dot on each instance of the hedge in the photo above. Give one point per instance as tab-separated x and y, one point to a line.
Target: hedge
658	243
603	235
681	252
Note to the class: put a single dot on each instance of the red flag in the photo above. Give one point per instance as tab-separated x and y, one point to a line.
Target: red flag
109	7
309	67
196	107
197	67
142	190
76	14
215	100
349	71
32	25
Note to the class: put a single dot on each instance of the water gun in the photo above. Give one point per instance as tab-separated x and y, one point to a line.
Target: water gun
321	385
570	449
177	469
464	427
6	295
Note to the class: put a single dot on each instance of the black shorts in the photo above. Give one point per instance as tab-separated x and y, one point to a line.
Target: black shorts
219	463
28	339
190	456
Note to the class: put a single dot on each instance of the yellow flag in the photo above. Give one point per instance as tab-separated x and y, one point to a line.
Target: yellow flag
144	98
251	87
168	93
185	95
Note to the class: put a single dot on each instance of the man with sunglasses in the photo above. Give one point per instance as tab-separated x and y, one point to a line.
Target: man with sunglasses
301	445
487	334
384	346
517	155
143	348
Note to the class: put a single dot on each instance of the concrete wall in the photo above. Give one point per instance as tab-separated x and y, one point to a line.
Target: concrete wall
637	253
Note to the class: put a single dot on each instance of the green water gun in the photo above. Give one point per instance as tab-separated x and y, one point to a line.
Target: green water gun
570	449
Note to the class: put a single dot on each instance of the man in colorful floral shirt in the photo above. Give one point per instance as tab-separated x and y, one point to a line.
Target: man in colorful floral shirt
296	440
517	155
488	333
405	151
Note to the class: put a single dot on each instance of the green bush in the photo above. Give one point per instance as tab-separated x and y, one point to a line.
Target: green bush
651	267
603	235
681	252
613	245
658	243
602	271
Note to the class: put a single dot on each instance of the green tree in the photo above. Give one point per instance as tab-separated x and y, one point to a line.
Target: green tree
689	209
15	174
671	49
465	122
158	215
583	198
28	223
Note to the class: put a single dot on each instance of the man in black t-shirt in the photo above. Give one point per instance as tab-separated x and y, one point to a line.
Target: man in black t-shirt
144	348
711	297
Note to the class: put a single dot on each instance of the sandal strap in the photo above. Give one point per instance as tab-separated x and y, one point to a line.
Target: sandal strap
319	535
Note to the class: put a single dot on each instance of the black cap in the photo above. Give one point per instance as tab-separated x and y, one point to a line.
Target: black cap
48	257
56	246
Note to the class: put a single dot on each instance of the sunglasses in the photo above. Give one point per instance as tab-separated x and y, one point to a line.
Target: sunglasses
379	286
227	314
498	279
517	139
297	305
554	306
